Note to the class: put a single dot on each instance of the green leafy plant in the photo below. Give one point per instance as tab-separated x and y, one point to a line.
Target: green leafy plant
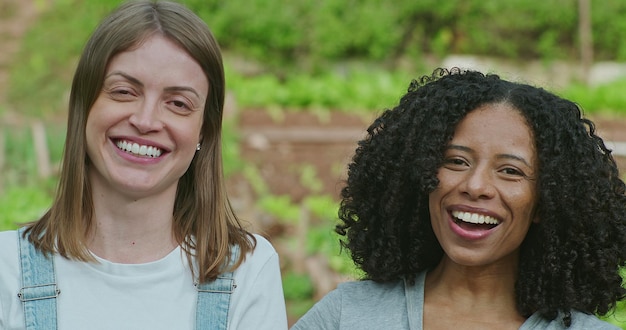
22	204
297	286
604	99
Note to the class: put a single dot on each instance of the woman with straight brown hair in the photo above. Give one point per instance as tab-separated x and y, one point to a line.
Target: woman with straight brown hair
141	234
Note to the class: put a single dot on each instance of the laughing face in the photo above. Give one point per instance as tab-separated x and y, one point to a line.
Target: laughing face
486	197
145	124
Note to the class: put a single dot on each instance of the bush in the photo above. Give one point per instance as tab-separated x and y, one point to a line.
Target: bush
21	204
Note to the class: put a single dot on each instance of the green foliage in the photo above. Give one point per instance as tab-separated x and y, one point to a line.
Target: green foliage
282	33
40	80
606	98
322	239
20	165
355	89
19	204
297	286
322	206
618	317
230	148
281	207
609	34
309	179
327	54
23	195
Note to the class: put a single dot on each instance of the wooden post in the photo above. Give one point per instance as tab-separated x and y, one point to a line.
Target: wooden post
41	150
2	160
586	38
302	229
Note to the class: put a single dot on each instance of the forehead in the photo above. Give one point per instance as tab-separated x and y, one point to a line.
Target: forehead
496	126
158	59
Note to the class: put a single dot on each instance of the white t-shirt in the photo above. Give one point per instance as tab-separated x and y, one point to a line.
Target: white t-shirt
155	295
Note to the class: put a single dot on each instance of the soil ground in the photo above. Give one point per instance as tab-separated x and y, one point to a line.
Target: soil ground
281	148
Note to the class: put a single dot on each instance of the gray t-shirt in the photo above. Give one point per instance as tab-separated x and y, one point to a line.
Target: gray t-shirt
369	305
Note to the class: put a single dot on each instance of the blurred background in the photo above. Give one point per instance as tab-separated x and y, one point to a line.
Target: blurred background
305	79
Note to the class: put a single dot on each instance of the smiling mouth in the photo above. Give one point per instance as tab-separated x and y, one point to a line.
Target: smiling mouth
138	149
474	220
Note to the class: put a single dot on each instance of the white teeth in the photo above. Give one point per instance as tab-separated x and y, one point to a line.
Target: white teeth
141	150
474	218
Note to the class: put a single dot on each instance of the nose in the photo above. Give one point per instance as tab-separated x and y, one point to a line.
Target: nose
146	118
479	184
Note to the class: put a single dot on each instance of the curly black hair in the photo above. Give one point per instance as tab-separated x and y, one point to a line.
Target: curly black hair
568	260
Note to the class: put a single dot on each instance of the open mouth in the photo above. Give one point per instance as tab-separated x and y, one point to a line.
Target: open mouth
138	149
474	221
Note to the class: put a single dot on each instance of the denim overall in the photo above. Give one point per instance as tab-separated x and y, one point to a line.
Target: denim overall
39	292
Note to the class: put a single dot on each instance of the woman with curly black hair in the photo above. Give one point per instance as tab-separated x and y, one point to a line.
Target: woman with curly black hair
479	203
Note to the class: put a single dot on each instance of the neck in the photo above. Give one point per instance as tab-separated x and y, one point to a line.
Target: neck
129	230
473	292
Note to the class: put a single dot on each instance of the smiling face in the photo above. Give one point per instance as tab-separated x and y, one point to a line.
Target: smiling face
144	126
484	204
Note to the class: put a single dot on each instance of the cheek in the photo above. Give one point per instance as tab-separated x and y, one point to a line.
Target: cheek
525	202
434	199
96	125
197	128
446	184
91	128
434	206
102	115
186	132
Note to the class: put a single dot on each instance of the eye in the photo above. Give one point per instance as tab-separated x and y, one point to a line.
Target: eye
122	93
512	172
180	106
455	163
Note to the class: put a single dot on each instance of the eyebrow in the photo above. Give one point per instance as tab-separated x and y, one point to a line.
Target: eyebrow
499	156
136	81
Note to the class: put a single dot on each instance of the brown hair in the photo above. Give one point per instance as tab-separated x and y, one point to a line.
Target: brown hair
204	222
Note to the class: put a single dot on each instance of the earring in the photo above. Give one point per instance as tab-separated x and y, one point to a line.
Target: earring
198	146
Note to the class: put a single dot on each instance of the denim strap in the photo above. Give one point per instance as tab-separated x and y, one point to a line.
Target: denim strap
214	299
39	290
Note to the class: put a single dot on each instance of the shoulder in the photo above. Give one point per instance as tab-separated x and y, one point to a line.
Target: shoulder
589	322
263	247
10	281
8	246
580	321
257	261
263	252
359	304
365	295
258	279
371	291
7	238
